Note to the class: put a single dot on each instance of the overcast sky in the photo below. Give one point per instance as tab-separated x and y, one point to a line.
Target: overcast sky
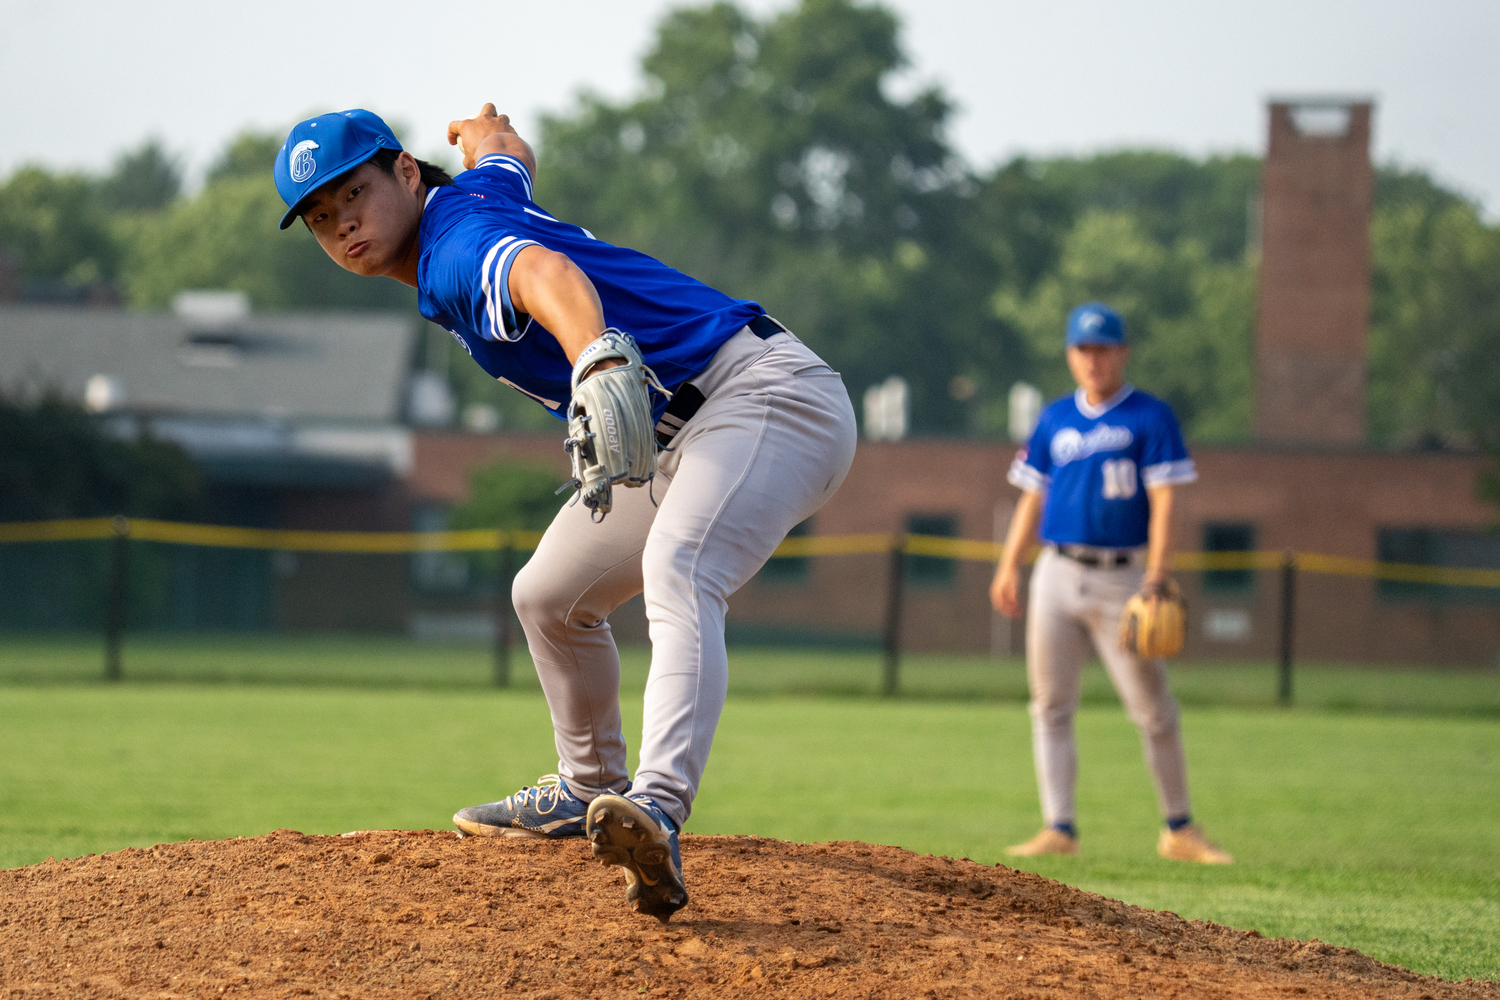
82	80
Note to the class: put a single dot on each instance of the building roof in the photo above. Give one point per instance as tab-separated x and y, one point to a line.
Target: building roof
317	367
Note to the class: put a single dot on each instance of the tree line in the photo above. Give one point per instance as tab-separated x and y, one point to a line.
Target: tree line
766	157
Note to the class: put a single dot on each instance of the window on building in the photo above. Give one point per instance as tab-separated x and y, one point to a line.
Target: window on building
789	571
1228	538
932	571
1437	547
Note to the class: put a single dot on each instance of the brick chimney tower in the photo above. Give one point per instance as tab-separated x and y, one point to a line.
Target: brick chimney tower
1313	304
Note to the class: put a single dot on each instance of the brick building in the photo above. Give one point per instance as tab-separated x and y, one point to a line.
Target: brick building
1363	504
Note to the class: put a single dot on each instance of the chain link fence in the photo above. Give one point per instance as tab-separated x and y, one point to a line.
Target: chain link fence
859	614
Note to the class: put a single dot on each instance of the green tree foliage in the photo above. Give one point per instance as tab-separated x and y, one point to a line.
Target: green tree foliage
56	229
227	237
1022	215
1189	318
1172	198
767	159
1160	237
512	495
1435	318
144	180
56	462
249	154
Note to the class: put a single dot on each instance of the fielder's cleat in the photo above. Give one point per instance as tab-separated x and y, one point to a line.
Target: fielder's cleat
547	811
636	835
1049	841
1189	844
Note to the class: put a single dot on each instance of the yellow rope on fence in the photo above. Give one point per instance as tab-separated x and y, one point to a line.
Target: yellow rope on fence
479	539
1227	560
219	536
834	545
56	531
1403	572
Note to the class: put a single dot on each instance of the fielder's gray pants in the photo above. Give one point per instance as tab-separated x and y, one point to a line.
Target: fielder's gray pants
769	446
1071	606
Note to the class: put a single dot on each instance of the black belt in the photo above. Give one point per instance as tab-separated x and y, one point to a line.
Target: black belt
688	397
1093	557
765	327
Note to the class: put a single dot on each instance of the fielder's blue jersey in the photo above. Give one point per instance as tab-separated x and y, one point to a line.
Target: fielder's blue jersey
470	234
1093	463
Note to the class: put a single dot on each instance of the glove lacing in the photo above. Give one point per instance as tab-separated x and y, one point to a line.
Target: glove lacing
572	442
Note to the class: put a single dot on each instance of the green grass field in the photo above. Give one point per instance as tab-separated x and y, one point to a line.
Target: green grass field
1367	816
381	662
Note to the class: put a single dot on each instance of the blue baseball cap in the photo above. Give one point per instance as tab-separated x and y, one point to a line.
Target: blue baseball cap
1095	323
320	149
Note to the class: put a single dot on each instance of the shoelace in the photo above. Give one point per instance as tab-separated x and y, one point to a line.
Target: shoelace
548	787
656	812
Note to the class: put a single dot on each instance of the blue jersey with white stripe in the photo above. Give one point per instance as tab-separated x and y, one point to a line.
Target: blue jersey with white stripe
470	234
1094	463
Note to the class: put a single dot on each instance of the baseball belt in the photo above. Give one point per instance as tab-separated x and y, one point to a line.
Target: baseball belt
687	398
1108	558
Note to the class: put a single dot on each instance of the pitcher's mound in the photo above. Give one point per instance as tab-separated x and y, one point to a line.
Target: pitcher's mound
395	914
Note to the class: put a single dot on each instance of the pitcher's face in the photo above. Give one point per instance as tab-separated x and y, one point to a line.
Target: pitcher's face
367	220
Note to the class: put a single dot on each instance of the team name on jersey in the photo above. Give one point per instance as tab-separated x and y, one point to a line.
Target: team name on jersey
1068	445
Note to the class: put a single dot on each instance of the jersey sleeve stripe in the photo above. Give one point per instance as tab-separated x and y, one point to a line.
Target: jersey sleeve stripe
502	286
544	215
491	305
512	164
1170	473
1027	477
495	284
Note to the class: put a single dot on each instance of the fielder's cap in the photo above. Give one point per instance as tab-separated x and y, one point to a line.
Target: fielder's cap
322	148
1095	323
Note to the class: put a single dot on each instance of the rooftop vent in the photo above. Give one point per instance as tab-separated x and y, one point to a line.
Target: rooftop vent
211	308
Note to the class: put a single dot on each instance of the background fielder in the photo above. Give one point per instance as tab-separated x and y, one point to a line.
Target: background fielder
759	434
1098	475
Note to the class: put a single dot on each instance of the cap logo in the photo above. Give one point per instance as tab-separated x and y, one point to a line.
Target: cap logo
302	165
1090	321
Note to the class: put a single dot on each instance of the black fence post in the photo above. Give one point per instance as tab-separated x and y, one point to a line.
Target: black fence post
892	675
1288	625
114	611
504	578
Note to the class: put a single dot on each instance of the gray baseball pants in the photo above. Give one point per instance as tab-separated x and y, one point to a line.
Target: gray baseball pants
771	443
1070	606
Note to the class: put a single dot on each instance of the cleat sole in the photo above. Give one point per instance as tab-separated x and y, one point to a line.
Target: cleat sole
473	829
621	834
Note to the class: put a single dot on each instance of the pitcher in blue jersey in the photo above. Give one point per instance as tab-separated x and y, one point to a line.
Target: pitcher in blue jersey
756	433
1097	476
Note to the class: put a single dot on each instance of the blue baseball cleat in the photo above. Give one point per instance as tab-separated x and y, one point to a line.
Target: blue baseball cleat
548	811
635	834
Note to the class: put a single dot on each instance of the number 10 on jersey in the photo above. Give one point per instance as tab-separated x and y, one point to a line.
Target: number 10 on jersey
1119	479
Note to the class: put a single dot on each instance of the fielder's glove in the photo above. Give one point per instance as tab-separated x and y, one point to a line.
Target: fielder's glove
1155	621
611	437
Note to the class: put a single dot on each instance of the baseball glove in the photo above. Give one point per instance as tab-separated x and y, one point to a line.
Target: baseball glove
611	437
1155	621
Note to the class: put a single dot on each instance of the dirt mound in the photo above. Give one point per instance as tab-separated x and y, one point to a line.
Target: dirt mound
394	914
